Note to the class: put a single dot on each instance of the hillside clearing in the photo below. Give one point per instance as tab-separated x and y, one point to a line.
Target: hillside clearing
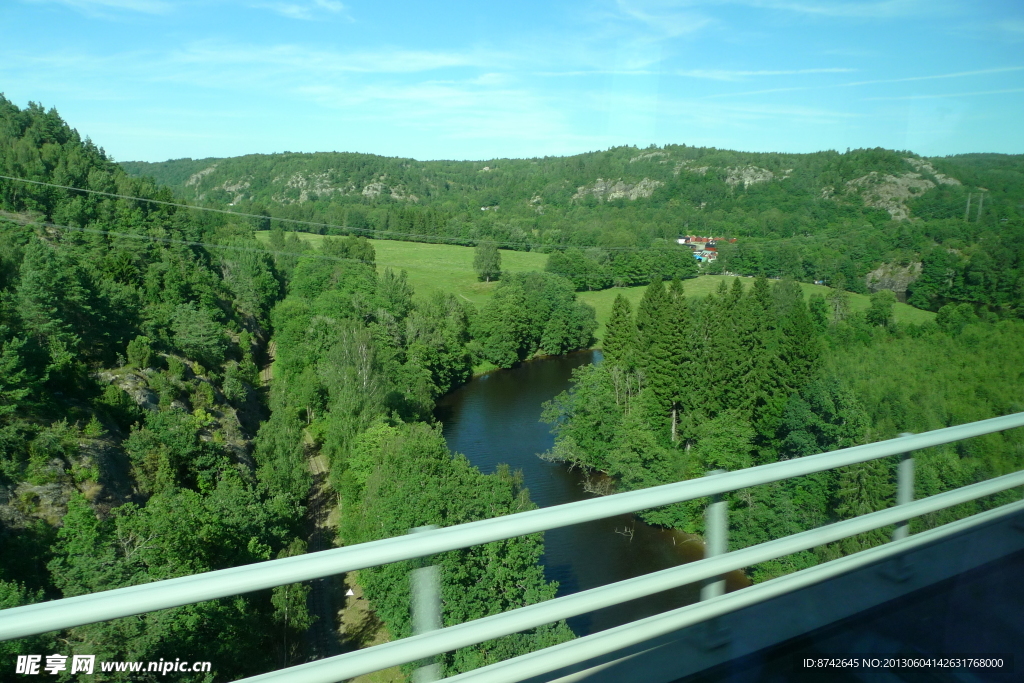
449	268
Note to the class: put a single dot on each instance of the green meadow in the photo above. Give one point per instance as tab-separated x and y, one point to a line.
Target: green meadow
706	284
444	267
449	268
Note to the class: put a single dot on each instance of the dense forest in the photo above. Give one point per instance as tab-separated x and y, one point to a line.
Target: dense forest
743	378
139	442
166	380
937	230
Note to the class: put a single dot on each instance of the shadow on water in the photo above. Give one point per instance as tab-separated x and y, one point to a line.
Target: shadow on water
495	419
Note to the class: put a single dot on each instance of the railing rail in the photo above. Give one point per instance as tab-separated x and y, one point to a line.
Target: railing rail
432	643
48	616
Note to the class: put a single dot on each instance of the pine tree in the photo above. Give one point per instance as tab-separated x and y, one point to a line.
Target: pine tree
650	315
620	337
756	387
862	489
681	362
799	347
654	329
735	293
839	300
675	289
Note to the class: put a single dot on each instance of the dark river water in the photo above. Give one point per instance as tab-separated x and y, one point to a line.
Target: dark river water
495	418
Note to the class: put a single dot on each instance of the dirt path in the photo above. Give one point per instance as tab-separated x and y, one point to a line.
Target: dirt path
322	637
267	371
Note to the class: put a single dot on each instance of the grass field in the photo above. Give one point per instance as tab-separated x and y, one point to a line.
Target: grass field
706	284
449	268
444	267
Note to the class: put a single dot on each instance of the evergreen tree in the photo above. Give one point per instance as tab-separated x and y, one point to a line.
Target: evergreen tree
862	489
839	300
655	342
650	317
681	364
819	312
620	337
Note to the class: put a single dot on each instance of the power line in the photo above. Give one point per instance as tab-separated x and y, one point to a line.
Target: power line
295	221
191	243
422	239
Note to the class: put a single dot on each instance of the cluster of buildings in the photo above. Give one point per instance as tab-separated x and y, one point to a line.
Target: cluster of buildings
704	248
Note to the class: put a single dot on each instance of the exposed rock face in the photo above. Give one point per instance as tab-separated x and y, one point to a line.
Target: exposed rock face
921	165
893	276
648	155
890	192
396	191
374	189
238	189
748	175
307	187
608	190
196	177
134	385
314	183
688	166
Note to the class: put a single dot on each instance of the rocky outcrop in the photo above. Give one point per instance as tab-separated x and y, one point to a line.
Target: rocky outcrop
748	175
648	155
893	276
195	178
922	166
396	191
134	384
889	192
689	166
609	190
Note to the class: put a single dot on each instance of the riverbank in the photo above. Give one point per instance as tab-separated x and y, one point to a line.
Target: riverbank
494	419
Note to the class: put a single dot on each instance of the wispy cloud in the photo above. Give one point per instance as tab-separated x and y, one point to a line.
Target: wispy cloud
871	9
662	19
102	7
306	11
946	95
211	55
728	75
710	74
1012	26
956	74
880	81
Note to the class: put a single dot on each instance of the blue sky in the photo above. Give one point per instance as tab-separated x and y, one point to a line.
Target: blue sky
157	79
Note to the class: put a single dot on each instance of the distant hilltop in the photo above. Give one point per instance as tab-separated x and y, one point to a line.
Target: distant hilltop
677	179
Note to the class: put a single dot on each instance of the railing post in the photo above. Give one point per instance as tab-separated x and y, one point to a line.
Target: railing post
904	490
426	610
716	539
898	568
716	542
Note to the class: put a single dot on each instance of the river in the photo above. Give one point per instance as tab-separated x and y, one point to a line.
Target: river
494	419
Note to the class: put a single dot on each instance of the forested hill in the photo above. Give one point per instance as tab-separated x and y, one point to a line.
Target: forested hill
862	220
725	191
140	441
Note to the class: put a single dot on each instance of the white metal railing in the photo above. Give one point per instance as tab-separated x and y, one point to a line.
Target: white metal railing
48	616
